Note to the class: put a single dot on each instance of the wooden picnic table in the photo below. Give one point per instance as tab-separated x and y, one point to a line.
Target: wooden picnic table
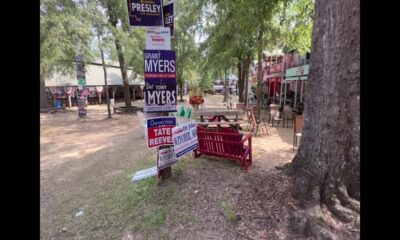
220	115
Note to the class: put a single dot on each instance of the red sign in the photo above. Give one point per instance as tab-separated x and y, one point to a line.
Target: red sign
159	131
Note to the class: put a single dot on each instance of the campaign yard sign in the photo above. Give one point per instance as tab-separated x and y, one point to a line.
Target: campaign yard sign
160	80
145	13
169	17
185	138
166	157
80	71
81	107
159	131
158	38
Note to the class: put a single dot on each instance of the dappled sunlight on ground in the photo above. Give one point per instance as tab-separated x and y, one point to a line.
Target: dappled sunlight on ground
81	159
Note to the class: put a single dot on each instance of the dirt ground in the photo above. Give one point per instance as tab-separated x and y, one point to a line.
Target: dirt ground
86	165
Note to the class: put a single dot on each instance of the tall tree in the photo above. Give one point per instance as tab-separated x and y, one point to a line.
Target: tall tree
326	168
188	14
64	30
117	14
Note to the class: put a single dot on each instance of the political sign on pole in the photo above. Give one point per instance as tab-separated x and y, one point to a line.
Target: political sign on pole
81	107
159	131
80	71
145	13
160	81
166	157
158	38
185	139
168	12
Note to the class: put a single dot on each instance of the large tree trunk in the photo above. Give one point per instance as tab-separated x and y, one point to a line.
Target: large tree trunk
113	21
127	94
259	74
326	168
180	85
226	86
240	80
44	103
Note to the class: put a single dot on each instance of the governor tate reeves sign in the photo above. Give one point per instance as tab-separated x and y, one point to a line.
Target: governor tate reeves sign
160	81
145	13
159	131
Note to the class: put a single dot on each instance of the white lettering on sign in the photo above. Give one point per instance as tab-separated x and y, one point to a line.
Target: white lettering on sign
168	20
161	66
145	8
162	131
161	97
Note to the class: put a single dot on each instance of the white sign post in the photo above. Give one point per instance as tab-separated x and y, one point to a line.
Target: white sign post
158	38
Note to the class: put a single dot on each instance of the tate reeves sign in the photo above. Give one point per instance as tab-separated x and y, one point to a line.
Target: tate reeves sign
145	13
159	131
160	80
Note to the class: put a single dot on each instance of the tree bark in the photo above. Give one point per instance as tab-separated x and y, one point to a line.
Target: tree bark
259	74
240	80
246	79
105	78
326	168
226	85
180	84
113	21
127	94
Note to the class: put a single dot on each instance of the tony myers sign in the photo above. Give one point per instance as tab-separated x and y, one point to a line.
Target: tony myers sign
185	138
160	79
159	131
145	13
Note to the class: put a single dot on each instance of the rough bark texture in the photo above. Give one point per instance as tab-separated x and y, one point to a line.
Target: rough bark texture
240	80
127	94
105	78
113	21
180	84
226	87
259	74
326	168
44	103
246	79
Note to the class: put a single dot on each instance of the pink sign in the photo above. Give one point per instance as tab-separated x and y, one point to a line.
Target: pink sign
99	89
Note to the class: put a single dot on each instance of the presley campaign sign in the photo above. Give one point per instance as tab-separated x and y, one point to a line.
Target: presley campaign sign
159	131
185	139
145	13
160	81
168	13
158	38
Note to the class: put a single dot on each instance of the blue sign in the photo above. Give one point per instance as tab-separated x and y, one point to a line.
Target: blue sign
160	80
169	17
145	13
185	138
159	131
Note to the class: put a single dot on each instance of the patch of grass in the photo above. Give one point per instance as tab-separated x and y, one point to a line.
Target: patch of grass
144	207
151	220
229	211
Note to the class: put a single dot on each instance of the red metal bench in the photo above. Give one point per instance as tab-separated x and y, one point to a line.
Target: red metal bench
225	143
